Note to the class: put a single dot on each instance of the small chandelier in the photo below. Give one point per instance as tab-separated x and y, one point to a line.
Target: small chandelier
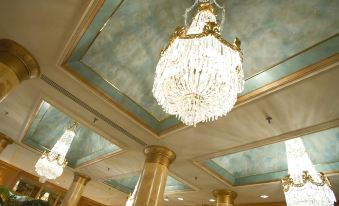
51	164
304	186
199	73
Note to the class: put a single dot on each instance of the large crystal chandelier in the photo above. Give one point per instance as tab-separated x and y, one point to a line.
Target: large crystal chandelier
199	73
51	164
304	186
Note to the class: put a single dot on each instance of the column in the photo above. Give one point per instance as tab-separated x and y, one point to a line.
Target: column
16	65
73	195
4	141
224	197
152	182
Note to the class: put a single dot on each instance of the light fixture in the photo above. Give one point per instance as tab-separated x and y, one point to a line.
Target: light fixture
199	73
211	200
51	164
180	198
131	197
264	196
166	199
304	186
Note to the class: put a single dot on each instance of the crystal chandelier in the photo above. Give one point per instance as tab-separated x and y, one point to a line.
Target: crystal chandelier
199	73
51	164
131	198
304	186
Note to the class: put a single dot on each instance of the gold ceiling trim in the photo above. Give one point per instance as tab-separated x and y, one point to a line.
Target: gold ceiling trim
126	113
271	140
36	108
115	87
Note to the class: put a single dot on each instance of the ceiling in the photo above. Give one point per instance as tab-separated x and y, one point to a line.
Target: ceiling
135	32
127	183
48	125
269	162
298	87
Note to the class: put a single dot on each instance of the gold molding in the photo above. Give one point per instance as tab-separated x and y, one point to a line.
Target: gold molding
75	117
159	154
19	59
81	178
225	196
271	140
6	138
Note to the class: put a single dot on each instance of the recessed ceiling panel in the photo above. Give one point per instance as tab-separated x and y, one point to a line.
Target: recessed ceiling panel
127	184
118	54
268	163
48	125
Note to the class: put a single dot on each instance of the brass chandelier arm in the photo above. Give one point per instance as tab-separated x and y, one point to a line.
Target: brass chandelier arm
56	158
211	28
288	182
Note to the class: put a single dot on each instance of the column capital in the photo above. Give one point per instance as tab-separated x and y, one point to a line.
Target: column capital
19	59
79	177
225	196
159	154
6	139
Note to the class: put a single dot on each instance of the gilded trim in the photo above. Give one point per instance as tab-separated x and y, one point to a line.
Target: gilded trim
159	154
21	60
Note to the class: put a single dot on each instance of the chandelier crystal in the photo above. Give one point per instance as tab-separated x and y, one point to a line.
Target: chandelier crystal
304	186
51	164
199	73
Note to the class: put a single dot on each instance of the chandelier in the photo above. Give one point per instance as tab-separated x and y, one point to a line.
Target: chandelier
199	73
51	164
131	198
304	186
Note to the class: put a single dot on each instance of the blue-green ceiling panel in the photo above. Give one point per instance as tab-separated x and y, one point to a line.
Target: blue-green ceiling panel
48	126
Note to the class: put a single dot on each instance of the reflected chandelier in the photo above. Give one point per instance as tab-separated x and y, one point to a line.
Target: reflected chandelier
199	73
51	164
304	186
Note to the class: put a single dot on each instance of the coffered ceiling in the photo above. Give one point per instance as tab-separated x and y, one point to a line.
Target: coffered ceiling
135	32
291	63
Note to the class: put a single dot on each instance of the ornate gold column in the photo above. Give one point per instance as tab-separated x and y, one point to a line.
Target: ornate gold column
73	195
4	141
224	197
154	175
16	64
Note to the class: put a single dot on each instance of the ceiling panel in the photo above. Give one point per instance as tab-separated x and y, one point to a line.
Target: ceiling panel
49	124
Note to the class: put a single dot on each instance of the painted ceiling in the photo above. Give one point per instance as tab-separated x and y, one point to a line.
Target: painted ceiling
268	163
118	53
127	184
49	124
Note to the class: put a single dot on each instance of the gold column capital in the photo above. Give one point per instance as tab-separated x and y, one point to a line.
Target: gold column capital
225	196
6	139
159	154
19	59
79	177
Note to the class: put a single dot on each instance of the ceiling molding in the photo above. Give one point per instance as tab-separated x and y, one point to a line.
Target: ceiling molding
91	109
286	136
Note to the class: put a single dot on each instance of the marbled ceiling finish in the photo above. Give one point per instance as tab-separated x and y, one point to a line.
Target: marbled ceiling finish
272	31
127	184
126	52
269	162
48	126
